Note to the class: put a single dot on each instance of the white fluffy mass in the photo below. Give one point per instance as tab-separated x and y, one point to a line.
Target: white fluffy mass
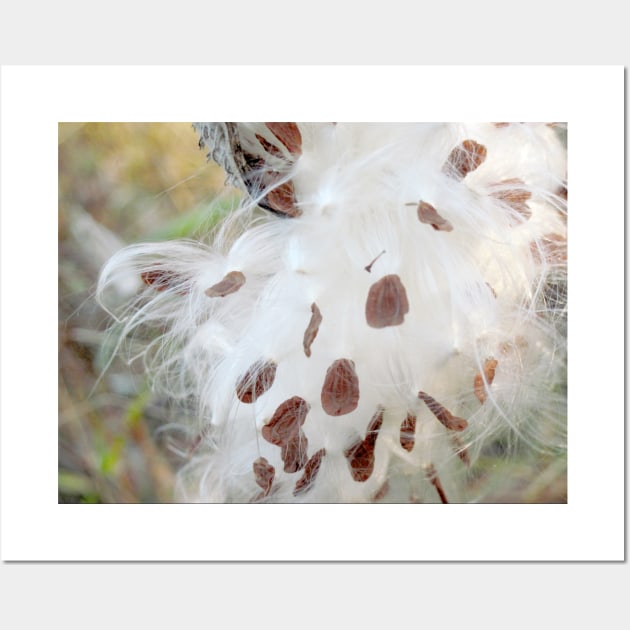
388	299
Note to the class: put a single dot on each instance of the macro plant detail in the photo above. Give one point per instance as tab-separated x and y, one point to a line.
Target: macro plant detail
387	303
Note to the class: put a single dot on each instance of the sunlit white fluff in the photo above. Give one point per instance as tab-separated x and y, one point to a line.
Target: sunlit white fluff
480	290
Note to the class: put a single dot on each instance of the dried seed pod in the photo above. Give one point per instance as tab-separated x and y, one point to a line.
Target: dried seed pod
340	392
360	455
231	283
264	473
387	302
311	469
249	170
480	382
312	329
428	214
464	159
289	134
509	192
256	381
442	414
408	432
284	430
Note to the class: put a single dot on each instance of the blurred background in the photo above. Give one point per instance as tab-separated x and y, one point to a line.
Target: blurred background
121	183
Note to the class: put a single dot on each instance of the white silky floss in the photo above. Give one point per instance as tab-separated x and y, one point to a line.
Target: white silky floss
388	300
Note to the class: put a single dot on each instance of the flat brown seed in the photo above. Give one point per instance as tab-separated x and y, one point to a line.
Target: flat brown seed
231	283
442	414
340	392
464	159
312	329
408	432
294	453
509	193
552	248
256	381
360	455
489	368
270	148
284	430
311	469
264	473
281	199
460	449
162	279
286	421
386	303
428	214
289	134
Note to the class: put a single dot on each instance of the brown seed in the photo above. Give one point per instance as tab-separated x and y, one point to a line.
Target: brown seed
563	192
294	453
196	443
256	381
340	392
407	432
270	148
284	430
489	368
312	329
231	283
509	193
360	455
428	214
310	472
432	476
289	134
264	473
552	248
460	450
282	199
286	421
442	414
501	124
387	303
464	159
162	279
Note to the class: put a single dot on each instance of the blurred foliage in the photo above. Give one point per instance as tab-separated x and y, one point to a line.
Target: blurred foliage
119	183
